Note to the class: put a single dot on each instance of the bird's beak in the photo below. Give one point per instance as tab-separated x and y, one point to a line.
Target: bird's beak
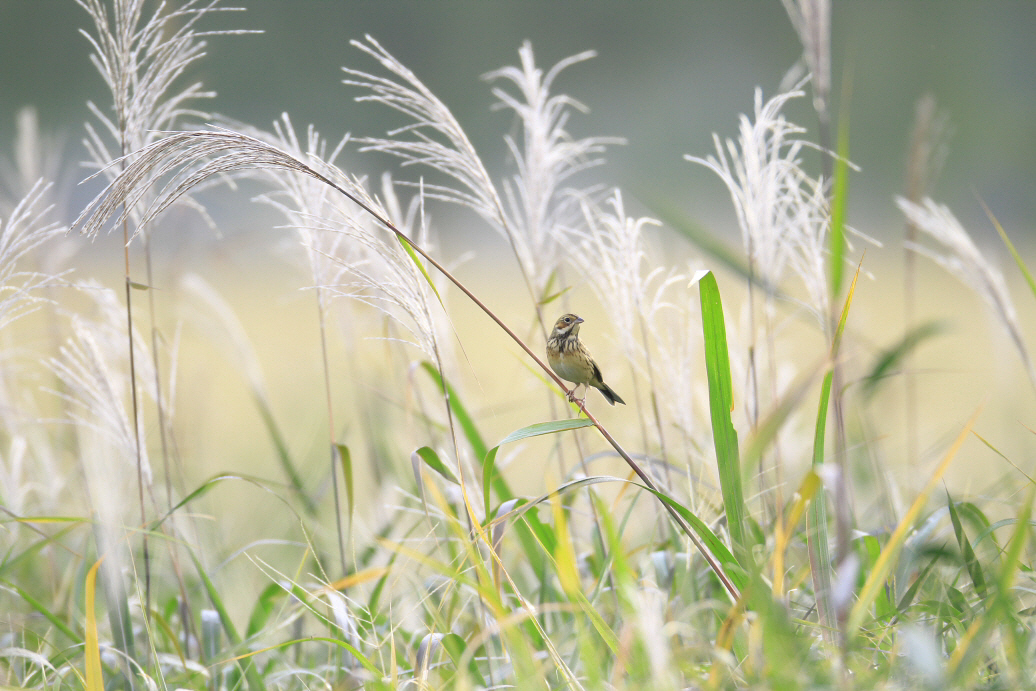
579	320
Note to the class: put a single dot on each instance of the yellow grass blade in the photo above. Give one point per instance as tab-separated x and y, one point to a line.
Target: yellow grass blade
883	566
94	680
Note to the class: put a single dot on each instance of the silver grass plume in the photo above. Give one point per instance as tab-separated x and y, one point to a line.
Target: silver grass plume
781	210
29	458
177	163
539	208
182	160
811	20
37	156
91	365
140	59
960	257
436	138
25	229
387	277
546	157
306	203
610	253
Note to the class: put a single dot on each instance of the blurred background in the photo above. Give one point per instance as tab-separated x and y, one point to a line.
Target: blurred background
666	77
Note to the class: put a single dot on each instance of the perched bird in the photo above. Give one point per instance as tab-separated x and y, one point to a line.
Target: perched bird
572	361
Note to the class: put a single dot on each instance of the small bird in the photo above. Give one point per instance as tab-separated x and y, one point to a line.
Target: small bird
571	361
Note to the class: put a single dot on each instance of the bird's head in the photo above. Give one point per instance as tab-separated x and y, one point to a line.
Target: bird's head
567	325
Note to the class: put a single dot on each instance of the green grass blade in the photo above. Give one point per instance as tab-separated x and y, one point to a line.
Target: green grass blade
493	480
255	681
971	562
843	318
721	402
92	651
731	567
263	608
817	538
541	428
883	567
420	267
890	358
347	475
488	475
40	608
210	484
1012	560
1010	248
431	459
820	431
839	207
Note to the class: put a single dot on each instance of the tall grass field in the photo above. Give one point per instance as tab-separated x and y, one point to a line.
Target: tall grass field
332	455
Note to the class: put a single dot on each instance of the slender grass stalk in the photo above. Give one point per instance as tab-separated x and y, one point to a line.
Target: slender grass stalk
922	167
141	58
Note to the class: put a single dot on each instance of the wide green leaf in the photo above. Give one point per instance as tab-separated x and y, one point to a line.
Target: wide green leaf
721	402
541	428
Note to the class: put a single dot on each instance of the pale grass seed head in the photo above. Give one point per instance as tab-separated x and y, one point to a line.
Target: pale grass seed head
385	276
178	163
539	208
21	233
311	207
781	210
93	368
610	252
37	156
811	20
142	58
29	475
957	253
434	138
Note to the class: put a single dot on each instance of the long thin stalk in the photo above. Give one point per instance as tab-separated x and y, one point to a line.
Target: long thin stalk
136	416
332	435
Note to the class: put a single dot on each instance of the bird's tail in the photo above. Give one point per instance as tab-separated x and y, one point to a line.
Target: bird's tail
612	397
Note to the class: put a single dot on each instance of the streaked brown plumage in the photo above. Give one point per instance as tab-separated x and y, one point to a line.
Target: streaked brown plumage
571	361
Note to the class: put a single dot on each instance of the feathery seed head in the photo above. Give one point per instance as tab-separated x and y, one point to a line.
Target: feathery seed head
963	259
782	211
